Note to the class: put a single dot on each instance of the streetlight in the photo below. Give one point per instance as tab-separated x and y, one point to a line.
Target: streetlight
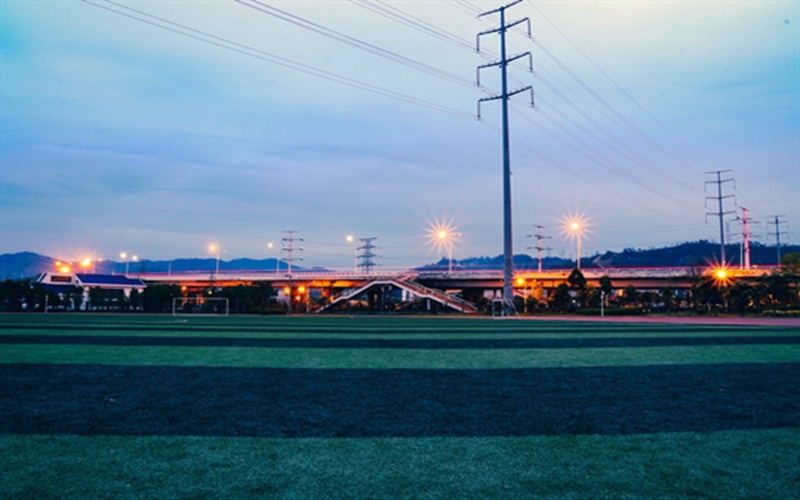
351	239
213	248
271	245
575	227
442	235
85	264
124	257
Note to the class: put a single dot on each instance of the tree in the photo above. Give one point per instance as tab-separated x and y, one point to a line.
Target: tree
158	298
605	285
576	280
668	298
134	299
561	300
630	296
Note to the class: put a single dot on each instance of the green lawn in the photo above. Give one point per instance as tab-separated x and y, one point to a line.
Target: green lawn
714	463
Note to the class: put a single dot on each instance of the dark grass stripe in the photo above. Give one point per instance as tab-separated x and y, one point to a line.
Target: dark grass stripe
343	343
146	400
476	327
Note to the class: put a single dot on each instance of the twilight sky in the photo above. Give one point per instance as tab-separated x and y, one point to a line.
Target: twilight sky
165	125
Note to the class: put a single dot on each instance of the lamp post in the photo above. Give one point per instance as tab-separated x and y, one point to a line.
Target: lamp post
442	235
576	227
351	239
214	249
86	264
271	245
447	239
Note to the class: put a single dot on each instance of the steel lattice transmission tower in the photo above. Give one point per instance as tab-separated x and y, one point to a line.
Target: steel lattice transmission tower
289	249
721	213
367	257
508	249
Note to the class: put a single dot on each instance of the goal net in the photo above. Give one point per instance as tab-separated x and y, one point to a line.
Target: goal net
212	306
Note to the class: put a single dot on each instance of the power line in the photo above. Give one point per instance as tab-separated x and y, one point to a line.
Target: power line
624	92
353	42
399	16
613	110
596	156
622	144
255	53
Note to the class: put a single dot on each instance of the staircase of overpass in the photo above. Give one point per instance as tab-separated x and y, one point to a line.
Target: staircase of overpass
407	284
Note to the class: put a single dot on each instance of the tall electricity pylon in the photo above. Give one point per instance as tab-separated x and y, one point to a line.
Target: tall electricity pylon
720	213
777	234
508	249
289	249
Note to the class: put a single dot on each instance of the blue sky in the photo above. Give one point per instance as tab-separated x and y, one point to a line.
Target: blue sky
117	135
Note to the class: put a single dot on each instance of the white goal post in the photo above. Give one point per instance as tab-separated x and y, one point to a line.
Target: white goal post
208	306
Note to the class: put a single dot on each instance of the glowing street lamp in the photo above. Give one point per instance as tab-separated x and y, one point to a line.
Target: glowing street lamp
575	226
213	248
124	257
86	264
271	245
350	239
442	235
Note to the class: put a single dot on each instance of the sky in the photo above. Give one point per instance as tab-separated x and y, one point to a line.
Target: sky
157	127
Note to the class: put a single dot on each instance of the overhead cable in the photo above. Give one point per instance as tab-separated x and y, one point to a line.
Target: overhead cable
253	52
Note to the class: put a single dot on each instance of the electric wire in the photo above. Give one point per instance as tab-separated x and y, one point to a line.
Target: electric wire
414	22
577	175
598	68
256	53
650	165
353	42
596	156
613	110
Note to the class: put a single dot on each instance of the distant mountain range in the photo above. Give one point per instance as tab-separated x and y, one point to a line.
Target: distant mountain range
30	265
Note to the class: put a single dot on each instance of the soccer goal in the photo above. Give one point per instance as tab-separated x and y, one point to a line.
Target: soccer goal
209	306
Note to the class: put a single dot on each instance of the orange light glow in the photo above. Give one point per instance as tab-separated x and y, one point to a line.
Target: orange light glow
520	281
721	276
64	269
287	290
85	263
301	289
442	235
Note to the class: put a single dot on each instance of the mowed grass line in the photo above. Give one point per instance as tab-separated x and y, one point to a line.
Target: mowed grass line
366	358
730	465
120	324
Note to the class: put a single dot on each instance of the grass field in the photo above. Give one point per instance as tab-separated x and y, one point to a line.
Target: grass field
116	406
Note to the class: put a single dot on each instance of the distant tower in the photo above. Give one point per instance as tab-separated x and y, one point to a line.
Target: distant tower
367	257
720	213
289	249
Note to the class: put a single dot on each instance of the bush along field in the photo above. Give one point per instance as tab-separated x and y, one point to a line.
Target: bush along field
137	406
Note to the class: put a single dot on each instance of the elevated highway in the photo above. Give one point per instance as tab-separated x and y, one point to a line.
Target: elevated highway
440	286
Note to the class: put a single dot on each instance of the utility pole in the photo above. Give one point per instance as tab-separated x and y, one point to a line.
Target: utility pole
367	256
745	258
777	233
508	250
720	213
289	248
539	248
